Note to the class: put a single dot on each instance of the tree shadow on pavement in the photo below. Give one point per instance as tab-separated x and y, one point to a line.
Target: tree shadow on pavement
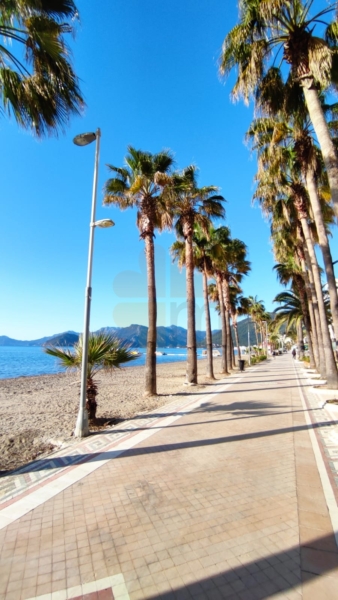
66	461
272	574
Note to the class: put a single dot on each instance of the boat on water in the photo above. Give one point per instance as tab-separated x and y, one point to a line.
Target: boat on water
160	353
135	353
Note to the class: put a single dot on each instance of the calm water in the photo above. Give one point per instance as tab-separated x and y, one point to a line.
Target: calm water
21	361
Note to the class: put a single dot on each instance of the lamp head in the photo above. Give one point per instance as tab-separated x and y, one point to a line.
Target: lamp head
83	139
103	223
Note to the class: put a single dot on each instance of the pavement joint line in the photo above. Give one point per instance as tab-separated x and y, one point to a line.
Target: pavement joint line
327	487
50	487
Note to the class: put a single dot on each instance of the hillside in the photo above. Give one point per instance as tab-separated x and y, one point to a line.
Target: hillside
242	328
135	335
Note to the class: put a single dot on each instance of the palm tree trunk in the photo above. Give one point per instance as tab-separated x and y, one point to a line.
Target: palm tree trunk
225	288
234	324
324	246
320	345
208	335
300	285
224	364
233	361
311	306
91	404
323	135
331	374
191	373
300	342
150	370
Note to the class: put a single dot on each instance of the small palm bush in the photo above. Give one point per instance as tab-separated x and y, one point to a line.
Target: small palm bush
105	352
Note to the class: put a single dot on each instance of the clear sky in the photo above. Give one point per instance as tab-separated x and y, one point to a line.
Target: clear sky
149	73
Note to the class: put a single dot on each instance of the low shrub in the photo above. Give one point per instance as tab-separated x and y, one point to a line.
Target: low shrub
257	359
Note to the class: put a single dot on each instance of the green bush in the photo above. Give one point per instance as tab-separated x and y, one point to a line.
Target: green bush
257	359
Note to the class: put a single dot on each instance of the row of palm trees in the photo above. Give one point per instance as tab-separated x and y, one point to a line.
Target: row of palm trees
164	199
169	199
294	136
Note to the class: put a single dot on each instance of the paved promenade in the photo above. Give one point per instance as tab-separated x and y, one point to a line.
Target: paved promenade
231	494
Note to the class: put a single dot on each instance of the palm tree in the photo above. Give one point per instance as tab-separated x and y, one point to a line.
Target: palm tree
267	29
239	306
295	134
290	313
256	310
220	236
215	294
289	245
192	205
205	250
37	83
280	181
105	352
287	183
235	266
140	184
290	272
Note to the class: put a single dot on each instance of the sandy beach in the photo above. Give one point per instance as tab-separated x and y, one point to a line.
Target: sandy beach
39	413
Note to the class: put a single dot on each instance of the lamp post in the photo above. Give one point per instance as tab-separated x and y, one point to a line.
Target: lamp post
82	426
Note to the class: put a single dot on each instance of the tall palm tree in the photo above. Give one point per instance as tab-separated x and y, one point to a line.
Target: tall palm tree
37	83
220	236
288	243
295	133
140	184
239	307
290	272
105	352
192	205
290	312
204	250
235	266
279	179
267	30
256	310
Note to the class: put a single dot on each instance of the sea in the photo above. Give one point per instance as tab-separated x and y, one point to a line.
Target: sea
27	361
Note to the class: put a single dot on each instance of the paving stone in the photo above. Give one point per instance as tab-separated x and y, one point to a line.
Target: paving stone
212	505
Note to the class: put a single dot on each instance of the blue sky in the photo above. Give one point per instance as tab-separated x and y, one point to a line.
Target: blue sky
149	75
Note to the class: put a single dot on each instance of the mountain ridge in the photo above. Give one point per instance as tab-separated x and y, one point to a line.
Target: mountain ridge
136	335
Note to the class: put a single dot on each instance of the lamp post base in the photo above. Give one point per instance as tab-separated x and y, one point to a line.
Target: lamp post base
82	425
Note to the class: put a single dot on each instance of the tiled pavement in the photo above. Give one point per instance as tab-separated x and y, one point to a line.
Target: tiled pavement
223	498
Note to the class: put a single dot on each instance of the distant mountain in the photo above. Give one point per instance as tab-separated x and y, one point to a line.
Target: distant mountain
62	339
7	341
135	335
108	329
242	327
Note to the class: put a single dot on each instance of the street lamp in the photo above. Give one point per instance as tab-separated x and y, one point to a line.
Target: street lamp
82	426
